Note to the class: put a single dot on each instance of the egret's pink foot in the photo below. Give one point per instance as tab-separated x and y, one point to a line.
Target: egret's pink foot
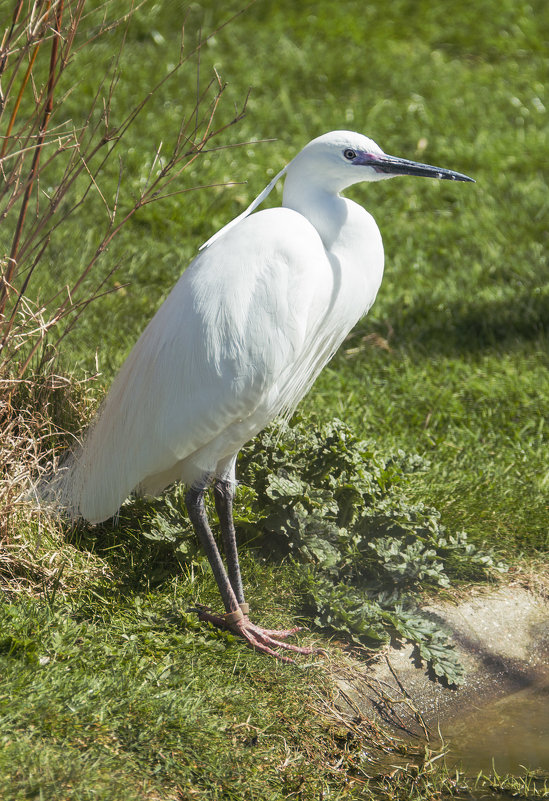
265	641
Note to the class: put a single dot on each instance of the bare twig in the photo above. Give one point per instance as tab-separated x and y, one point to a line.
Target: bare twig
35	161
80	149
41	148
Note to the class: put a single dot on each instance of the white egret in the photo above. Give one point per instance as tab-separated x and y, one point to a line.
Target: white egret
240	340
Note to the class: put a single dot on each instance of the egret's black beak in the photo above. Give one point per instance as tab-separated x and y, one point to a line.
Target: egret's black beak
392	165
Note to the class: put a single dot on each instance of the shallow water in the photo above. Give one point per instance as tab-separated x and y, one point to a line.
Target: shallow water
508	736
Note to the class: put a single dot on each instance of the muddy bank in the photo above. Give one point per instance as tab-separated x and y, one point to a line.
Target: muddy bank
502	638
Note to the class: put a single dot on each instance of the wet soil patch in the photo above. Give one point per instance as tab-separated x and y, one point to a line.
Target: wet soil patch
498	719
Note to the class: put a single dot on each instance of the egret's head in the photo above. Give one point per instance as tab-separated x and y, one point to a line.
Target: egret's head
339	159
333	162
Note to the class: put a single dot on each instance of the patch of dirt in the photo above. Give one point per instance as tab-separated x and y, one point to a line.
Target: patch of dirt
502	639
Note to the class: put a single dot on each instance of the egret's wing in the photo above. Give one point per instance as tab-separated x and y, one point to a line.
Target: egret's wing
214	355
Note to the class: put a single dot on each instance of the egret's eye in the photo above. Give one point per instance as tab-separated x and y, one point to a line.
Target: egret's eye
350	155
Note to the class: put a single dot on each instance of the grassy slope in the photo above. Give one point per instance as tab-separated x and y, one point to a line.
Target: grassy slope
464	299
122	682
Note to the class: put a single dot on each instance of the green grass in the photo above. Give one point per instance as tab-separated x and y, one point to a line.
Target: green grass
137	698
464	296
112	689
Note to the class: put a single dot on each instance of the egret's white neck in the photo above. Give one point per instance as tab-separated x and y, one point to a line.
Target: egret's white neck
324	208
349	234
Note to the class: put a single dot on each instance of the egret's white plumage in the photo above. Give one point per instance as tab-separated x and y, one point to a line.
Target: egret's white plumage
241	338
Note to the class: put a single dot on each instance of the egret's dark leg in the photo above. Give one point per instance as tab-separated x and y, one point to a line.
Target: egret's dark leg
194	500
236	619
224	496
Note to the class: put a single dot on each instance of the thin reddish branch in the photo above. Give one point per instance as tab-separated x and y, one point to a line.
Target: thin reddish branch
7	36
89	148
18	99
48	108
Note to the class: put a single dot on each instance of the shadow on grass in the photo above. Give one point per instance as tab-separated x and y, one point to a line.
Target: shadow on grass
469	324
140	555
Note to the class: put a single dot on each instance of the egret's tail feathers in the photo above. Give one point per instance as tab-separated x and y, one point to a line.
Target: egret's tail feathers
66	493
55	490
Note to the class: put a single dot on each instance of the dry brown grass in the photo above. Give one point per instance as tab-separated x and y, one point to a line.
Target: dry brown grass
35	417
